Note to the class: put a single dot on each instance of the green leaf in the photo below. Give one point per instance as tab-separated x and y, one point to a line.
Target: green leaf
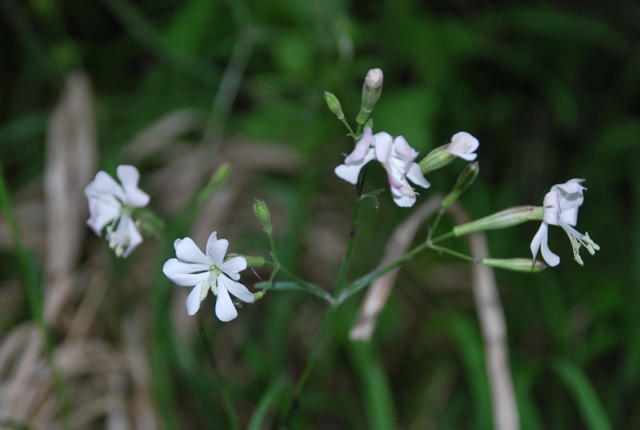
377	398
266	403
586	397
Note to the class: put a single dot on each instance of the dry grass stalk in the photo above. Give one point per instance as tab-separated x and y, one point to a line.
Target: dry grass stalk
379	291
71	160
494	330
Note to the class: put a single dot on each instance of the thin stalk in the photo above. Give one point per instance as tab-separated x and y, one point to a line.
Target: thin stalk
34	297
226	398
435	224
346	124
452	252
328	318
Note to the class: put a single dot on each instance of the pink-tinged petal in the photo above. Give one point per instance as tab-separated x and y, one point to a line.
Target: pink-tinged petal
462	145
188	251
383	143
416	176
394	176
185	274
193	300
236	288
216	250
404	150
361	148
571	186
129	177
225	311
233	266
103	184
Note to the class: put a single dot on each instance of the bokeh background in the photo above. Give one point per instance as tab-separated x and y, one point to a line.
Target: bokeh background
178	88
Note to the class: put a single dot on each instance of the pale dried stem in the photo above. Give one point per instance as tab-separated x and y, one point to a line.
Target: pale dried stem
494	330
379	291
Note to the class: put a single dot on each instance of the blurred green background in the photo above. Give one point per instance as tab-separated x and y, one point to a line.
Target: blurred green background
549	88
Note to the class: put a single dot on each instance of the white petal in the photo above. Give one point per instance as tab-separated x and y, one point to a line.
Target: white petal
462	145
233	266
185	274
188	251
402	200
102	213
551	258
349	173
236	288
129	177
135	238
537	239
216	250
383	143
404	150
467	156
225	311
104	184
193	300
416	176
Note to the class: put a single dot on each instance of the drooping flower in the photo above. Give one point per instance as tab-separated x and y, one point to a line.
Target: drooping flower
396	156
208	272
561	208
111	206
463	146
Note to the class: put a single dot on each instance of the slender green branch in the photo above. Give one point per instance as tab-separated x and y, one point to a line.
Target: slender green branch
435	224
452	252
443	237
346	124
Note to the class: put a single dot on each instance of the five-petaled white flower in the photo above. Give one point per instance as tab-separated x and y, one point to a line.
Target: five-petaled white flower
397	157
208	272
111	205
561	208
462	146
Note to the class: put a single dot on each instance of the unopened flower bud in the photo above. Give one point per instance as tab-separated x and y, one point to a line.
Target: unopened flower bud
251	260
436	159
217	179
515	264
261	211
466	178
334	104
506	218
371	91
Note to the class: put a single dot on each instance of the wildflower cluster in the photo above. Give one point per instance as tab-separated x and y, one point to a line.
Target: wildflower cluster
119	209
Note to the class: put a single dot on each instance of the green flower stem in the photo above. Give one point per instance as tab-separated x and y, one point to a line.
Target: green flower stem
435	224
318	342
34	297
443	237
452	252
346	124
226	397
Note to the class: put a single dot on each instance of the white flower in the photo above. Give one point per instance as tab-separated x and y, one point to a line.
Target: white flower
110	203
462	146
208	272
397	157
561	208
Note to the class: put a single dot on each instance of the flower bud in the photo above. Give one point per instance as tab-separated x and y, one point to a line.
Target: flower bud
334	104
466	178
261	211
436	159
371	91
515	264
217	179
251	260
506	218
